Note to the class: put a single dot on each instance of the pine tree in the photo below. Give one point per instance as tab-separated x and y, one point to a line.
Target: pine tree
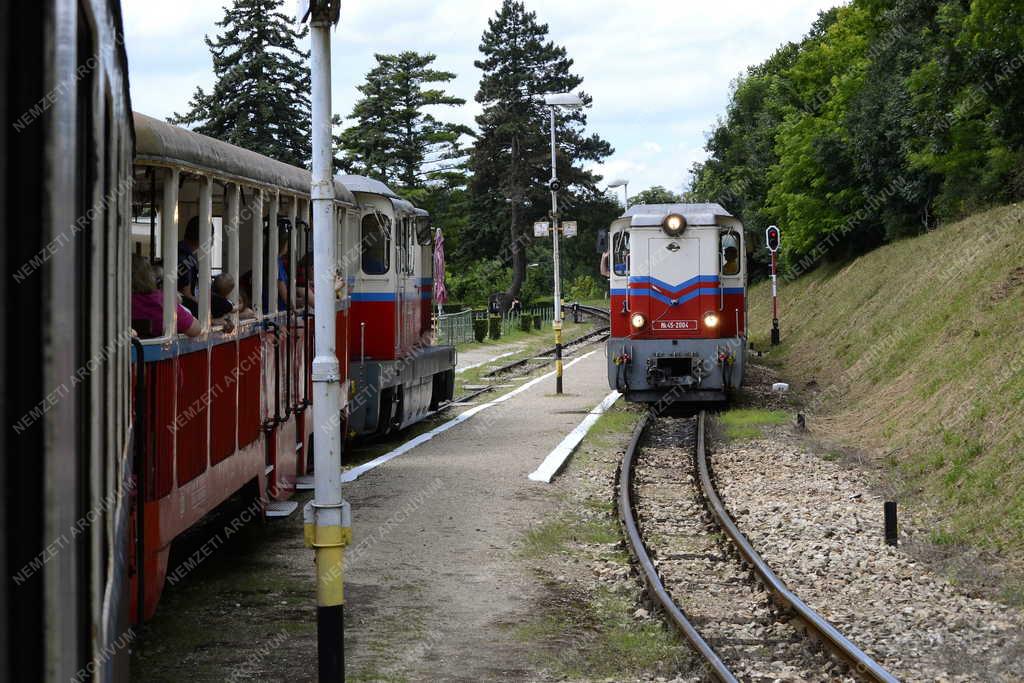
511	159
394	139
261	98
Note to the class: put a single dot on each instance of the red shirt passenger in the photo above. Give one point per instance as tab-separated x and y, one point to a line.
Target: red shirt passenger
148	304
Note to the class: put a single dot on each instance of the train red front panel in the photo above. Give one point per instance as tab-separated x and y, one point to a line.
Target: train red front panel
677	311
379	315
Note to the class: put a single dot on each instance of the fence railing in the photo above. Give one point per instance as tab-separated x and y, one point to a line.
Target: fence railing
455	328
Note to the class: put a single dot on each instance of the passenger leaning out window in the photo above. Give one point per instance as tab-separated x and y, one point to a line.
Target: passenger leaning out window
148	304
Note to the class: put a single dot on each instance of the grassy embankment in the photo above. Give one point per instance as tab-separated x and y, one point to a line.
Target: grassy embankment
916	349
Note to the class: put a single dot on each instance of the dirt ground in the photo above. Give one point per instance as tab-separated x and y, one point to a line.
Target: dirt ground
436	584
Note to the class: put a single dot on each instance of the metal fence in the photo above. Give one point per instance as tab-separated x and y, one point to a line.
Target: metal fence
455	328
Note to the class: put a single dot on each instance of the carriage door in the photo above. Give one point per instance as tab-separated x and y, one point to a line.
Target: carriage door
675	305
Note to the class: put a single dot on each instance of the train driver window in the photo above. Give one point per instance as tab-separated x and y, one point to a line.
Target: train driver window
620	253
730	253
375	243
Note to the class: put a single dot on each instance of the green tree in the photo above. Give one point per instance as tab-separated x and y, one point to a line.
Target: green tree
655	195
510	160
394	136
261	98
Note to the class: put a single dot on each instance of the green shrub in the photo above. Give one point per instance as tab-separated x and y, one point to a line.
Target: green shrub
585	288
525	322
494	323
480	328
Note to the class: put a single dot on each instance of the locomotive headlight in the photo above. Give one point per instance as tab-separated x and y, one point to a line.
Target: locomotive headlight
674	224
711	319
638	320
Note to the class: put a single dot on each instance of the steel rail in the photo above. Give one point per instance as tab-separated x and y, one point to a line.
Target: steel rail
862	664
582	339
656	589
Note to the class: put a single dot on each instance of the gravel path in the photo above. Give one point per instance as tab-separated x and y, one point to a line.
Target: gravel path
717	594
433	586
819	526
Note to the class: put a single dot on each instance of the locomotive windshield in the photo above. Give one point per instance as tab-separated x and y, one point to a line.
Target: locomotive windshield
730	253
620	253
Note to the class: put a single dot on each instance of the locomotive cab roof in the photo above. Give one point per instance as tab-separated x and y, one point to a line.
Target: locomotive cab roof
652	215
367	185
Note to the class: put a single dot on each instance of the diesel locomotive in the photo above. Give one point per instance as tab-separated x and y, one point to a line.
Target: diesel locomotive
678	303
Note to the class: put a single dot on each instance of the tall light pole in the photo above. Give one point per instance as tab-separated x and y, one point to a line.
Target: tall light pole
623	183
571	101
327	525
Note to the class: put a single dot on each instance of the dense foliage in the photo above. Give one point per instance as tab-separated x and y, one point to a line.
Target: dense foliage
394	137
889	116
510	162
261	98
655	195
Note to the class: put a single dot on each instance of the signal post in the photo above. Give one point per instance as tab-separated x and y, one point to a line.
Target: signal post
773	238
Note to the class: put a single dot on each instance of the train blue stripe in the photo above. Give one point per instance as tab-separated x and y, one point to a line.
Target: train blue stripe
662	297
702	279
373	296
709	291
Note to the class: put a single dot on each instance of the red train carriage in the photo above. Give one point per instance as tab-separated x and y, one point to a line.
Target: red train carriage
398	376
230	407
678	303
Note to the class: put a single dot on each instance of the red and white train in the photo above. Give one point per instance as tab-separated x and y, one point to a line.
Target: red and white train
678	303
231	407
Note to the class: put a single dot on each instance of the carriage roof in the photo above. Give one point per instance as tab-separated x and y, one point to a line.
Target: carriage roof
163	142
651	215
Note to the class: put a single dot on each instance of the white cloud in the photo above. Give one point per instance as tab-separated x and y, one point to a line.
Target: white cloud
659	70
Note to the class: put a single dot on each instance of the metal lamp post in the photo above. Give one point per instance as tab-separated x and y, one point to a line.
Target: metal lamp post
571	101
623	183
327	525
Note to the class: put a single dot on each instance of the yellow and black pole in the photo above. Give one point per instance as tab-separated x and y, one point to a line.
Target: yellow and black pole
573	101
327	518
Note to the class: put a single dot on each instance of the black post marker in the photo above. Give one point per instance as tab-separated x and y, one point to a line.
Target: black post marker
330	635
891	534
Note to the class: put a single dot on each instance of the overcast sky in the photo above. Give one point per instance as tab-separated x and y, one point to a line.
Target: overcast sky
659	70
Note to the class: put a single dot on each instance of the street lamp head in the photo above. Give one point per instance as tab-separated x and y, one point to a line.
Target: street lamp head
565	99
618	182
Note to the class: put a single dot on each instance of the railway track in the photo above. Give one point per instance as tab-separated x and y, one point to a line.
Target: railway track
548	355
699	569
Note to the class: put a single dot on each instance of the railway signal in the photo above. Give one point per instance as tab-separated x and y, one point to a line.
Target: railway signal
327	525
773	238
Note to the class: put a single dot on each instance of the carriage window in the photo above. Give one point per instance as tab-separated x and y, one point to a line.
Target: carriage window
620	253
375	243
730	253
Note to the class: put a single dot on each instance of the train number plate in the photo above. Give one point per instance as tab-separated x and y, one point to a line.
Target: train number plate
675	324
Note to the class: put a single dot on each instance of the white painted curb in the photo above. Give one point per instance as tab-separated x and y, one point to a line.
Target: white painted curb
556	458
